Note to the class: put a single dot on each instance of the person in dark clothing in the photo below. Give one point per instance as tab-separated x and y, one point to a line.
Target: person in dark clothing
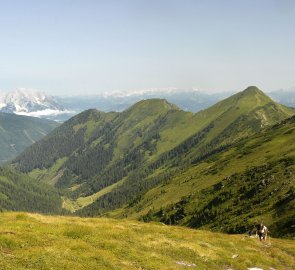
262	231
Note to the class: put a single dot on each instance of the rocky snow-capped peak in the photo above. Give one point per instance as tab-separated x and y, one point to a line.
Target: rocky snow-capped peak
29	102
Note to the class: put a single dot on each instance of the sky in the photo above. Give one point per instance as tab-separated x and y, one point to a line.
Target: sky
90	46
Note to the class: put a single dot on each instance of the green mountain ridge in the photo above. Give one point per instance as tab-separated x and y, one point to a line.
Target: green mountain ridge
211	138
112	162
18	132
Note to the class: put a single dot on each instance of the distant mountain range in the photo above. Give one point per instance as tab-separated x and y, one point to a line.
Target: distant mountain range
37	104
155	161
188	100
284	96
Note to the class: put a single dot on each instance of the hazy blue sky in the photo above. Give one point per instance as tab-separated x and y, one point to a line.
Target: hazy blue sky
91	46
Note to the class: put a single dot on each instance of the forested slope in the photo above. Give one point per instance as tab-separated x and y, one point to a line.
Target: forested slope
19	192
232	190
18	132
94	149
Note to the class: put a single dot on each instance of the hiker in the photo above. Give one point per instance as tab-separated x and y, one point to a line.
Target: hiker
262	231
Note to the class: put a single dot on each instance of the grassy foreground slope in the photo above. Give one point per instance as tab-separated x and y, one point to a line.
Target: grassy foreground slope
32	241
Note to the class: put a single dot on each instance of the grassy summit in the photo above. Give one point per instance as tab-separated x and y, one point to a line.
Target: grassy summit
32	241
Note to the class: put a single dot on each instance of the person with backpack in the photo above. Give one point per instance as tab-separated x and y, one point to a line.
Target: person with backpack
262	232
